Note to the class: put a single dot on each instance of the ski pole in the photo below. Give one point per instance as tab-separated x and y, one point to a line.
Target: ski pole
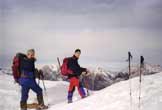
59	62
38	81
129	70
140	79
44	85
45	90
41	76
86	86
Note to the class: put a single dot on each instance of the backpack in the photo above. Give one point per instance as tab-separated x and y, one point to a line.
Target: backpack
16	66
65	71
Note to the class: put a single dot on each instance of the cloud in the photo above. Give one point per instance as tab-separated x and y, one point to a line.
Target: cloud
98	13
104	29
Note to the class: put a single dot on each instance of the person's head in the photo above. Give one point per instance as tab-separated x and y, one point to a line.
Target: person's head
31	53
77	53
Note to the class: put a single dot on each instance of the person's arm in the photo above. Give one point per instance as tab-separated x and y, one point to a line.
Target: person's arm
81	68
77	68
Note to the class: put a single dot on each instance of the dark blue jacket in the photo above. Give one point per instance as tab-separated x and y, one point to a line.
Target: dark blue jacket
27	69
27	65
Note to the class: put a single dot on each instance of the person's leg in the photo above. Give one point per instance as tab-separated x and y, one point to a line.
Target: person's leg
36	88
24	97
70	95
81	90
71	89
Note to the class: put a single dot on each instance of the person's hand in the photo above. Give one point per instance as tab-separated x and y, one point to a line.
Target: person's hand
88	74
84	73
88	71
41	74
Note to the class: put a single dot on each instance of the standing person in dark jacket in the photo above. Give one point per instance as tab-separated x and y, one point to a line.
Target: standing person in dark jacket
27	80
74	78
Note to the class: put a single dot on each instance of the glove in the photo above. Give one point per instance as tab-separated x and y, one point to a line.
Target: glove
41	74
87	70
84	73
87	73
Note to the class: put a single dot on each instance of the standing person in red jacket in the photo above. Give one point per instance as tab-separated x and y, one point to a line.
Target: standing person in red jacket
74	77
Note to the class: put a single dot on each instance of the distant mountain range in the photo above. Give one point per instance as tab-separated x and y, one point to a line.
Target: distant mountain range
99	77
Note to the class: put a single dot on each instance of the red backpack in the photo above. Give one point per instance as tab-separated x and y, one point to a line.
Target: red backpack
16	66
65	71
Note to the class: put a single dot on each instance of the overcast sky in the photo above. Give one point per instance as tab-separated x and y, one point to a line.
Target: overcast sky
103	29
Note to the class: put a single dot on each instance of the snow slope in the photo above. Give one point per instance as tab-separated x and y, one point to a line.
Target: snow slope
114	97
10	92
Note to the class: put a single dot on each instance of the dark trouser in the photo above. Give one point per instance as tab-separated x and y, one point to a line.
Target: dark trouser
26	85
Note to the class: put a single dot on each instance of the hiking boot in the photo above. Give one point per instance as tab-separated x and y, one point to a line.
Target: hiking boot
84	97
42	107
70	101
40	99
23	105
